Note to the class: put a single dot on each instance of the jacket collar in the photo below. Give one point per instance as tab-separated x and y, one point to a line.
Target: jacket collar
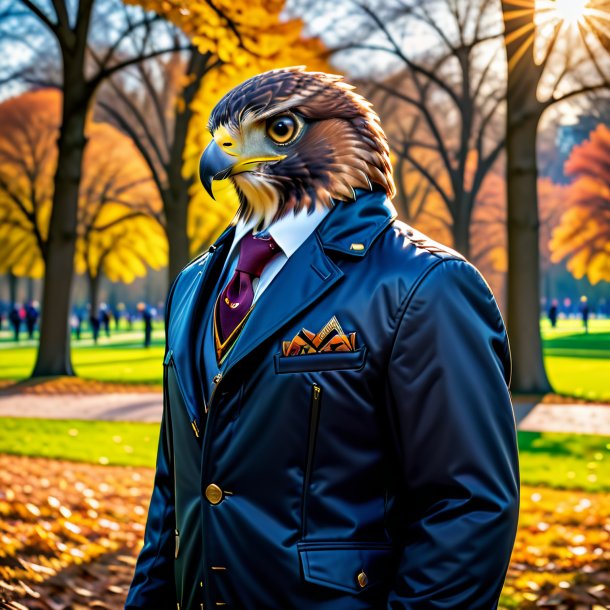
349	228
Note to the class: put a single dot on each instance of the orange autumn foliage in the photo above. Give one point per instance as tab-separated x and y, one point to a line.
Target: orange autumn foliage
117	230
583	235
246	37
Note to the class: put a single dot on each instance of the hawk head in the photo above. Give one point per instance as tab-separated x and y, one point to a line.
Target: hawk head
290	139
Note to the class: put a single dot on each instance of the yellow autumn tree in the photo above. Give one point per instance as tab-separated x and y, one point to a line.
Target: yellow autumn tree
583	235
29	126
232	40
118	232
284	47
246	37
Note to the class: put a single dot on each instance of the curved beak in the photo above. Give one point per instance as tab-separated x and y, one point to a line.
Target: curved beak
215	164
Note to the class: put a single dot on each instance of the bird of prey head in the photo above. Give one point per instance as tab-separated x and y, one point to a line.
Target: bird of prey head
291	139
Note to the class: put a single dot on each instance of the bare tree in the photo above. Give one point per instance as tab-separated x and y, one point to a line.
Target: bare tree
552	57
447	127
83	70
153	106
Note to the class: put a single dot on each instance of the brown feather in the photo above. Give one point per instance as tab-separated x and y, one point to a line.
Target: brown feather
342	148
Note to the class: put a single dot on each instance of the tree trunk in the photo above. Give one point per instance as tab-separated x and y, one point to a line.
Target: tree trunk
176	215
176	200
30	289
94	295
12	290
461	228
529	375
523	112
54	349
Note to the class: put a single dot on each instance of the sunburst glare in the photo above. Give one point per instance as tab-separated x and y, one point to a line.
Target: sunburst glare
571	11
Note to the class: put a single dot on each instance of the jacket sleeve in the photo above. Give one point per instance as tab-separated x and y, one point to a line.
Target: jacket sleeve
455	434
153	586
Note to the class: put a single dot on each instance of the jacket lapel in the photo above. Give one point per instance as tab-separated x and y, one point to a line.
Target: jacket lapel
306	276
350	228
185	323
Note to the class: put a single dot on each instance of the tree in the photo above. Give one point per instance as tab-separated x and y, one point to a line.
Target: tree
119	230
118	203
583	235
153	107
28	127
489	235
244	38
83	70
445	124
554	54
279	43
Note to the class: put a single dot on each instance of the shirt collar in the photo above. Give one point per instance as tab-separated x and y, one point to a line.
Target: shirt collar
289	232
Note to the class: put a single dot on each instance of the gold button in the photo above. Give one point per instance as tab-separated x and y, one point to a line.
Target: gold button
363	579
213	493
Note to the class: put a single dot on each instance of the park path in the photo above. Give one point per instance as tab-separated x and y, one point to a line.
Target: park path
147	407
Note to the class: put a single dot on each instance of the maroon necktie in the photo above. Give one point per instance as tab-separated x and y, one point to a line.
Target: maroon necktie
236	299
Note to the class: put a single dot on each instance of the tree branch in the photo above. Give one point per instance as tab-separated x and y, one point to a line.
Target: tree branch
41	16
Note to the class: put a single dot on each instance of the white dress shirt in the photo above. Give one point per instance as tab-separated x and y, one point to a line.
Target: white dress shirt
288	232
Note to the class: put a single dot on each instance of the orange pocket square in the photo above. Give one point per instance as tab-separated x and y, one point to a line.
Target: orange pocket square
330	338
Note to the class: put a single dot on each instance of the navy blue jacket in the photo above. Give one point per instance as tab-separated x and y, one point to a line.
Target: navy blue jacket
386	477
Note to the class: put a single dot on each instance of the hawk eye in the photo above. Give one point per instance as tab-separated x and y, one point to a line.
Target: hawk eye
281	129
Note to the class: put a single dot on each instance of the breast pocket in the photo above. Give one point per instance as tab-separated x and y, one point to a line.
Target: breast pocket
325	361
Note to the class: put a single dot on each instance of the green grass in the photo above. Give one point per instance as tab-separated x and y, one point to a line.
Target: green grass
565	461
561	461
95	442
578	364
119	358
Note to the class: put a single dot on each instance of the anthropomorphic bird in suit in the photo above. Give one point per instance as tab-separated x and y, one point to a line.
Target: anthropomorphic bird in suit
337	429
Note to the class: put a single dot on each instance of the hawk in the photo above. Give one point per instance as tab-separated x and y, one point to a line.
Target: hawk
290	139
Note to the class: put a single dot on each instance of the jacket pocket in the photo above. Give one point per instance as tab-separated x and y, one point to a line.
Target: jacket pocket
326	361
170	364
314	417
349	566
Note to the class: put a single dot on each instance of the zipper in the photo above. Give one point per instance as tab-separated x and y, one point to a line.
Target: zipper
169	361
314	416
177	537
216	380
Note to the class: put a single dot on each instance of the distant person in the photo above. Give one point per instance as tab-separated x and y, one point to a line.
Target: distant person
94	323
553	309
584	312
116	314
105	320
15	320
129	320
147	316
31	317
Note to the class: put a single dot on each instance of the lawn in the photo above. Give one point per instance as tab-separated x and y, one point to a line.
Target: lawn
119	358
561	461
578	364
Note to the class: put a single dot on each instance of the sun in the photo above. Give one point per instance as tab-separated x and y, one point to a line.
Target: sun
571	11
554	16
